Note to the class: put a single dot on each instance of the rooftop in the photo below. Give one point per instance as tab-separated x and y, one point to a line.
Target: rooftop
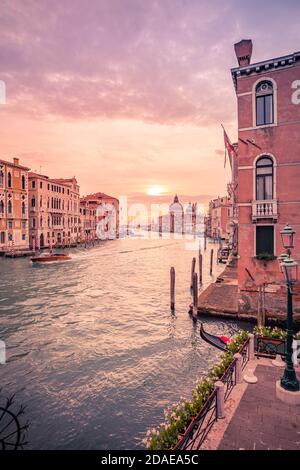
15	163
266	65
97	196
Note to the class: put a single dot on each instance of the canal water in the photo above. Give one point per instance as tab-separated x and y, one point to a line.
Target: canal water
93	351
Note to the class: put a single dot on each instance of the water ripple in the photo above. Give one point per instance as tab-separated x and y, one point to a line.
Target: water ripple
93	350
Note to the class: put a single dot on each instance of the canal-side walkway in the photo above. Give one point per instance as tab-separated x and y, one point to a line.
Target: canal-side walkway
221	297
255	419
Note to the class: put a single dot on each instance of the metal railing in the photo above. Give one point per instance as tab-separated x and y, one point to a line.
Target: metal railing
245	353
269	347
229	379
200	426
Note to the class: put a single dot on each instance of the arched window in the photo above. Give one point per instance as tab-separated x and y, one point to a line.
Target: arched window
1	207
23	208
264	97
264	178
33	202
1	178
23	182
9	207
9	179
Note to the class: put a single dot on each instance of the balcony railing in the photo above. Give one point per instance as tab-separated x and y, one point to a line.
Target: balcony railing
264	209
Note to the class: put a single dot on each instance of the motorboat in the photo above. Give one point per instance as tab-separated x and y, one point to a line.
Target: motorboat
50	257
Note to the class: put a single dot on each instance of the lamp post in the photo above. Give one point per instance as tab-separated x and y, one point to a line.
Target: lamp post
289	268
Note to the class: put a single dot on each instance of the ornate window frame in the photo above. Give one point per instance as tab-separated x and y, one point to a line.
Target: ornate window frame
264	79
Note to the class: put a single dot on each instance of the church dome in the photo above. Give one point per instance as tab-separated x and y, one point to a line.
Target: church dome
176	205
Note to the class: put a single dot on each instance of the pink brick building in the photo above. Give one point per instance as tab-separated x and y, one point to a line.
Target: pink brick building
268	177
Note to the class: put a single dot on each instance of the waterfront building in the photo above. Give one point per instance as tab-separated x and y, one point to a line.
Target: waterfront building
268	174
13	206
88	219
176	215
180	219
217	222
54	211
101	211
192	219
207	222
173	221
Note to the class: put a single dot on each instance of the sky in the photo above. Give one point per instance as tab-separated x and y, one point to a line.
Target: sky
129	95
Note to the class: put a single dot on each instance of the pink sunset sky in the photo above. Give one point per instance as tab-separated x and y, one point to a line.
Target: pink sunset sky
130	94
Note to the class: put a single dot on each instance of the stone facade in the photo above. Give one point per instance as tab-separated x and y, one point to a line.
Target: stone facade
54	211
218	218
99	214
13	206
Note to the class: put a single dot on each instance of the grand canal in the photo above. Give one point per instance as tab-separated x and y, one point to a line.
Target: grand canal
93	351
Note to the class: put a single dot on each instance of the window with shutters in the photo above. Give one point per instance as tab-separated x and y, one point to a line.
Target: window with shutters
264	240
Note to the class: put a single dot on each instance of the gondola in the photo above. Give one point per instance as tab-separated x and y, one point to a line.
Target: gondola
220	342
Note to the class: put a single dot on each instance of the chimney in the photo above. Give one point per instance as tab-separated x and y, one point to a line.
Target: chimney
243	51
16	161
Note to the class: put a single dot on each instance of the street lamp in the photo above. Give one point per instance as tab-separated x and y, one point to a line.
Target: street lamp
287	238
289	268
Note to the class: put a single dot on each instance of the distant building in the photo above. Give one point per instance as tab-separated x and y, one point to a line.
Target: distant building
176	214
268	174
180	219
13	206
207	223
54	211
88	219
217	221
99	214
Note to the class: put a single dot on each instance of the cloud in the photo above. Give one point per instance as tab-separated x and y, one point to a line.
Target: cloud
153	61
130	93
157	61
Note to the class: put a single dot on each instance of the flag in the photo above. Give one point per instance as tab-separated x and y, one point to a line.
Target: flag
229	148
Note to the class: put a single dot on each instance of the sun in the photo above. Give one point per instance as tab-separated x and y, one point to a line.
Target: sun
156	190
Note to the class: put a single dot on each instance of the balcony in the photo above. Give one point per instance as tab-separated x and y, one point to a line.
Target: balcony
264	210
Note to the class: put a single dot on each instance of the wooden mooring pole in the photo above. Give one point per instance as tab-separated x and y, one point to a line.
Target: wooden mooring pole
200	268
193	271
211	261
195	294
172	288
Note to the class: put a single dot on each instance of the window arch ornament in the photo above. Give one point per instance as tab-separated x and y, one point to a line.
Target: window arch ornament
264	100
264	175
264	103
